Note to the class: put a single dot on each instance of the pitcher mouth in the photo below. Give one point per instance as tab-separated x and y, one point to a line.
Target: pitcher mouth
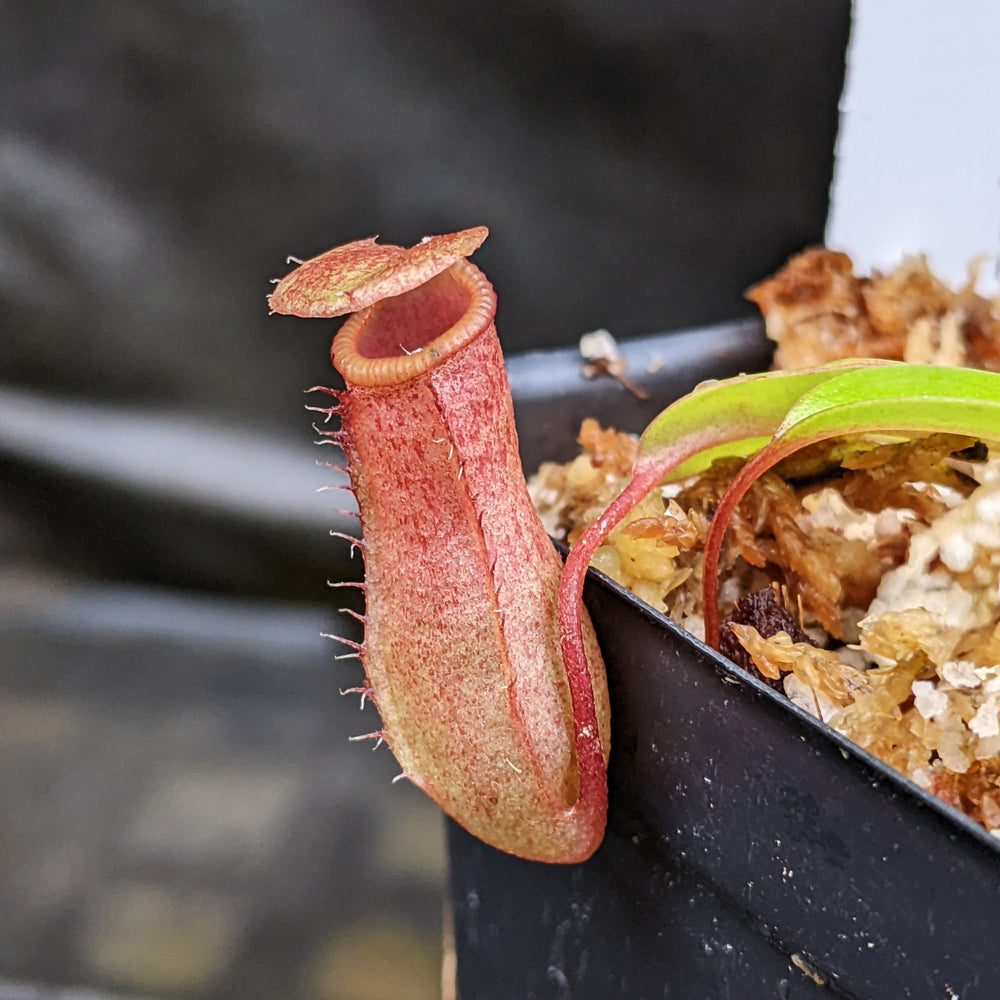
405	336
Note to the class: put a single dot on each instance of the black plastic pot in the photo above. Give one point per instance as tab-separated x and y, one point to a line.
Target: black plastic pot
751	852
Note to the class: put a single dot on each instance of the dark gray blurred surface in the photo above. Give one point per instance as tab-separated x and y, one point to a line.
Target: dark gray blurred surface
27	991
163	553
183	813
162	495
638	165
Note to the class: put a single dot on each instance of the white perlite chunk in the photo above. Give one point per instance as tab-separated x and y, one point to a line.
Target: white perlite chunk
957	553
986	722
961	674
963	538
928	700
599	345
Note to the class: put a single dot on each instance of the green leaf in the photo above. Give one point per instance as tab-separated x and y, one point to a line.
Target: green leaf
735	416
898	399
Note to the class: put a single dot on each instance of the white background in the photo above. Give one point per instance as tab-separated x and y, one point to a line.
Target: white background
918	152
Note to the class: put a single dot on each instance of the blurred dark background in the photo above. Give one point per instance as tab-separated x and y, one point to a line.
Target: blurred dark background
180	812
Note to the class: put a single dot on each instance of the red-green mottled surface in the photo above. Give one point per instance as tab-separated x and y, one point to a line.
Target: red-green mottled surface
354	276
461	651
